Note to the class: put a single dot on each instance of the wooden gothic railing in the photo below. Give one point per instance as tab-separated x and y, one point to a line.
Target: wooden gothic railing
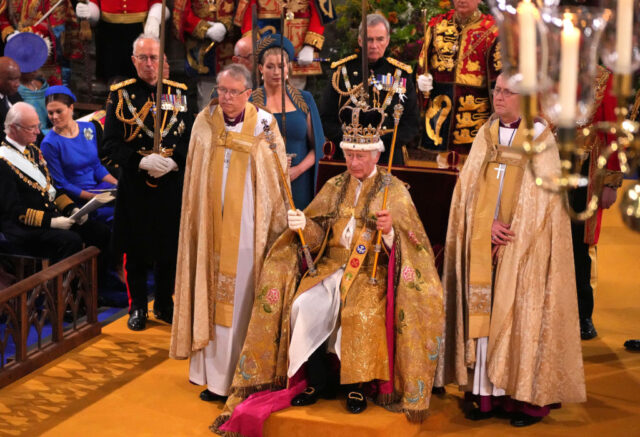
41	300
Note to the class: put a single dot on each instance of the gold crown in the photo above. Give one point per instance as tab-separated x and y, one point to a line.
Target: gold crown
361	125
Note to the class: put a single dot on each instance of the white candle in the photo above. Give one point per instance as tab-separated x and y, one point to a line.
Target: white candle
527	45
568	72
624	34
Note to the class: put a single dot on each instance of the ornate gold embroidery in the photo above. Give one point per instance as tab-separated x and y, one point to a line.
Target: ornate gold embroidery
298	100
445	45
472	114
439	106
497	58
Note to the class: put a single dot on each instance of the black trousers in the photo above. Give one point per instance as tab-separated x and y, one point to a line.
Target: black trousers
581	258
136	268
57	244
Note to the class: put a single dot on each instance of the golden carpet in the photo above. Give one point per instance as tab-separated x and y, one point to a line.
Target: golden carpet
123	383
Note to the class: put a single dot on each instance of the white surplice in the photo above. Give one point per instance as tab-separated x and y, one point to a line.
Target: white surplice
214	365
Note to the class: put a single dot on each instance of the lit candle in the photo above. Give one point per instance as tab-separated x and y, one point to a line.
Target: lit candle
527	48
624	34
568	72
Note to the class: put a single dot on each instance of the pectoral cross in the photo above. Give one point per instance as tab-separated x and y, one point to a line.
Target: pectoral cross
499	170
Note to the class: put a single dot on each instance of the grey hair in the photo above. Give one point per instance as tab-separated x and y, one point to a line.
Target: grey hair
144	36
374	19
15	114
237	71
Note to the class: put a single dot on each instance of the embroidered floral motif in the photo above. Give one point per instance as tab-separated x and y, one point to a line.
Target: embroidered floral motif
355	263
273	296
408	274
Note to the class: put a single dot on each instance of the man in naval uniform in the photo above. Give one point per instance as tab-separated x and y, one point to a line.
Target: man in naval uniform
147	213
32	212
390	82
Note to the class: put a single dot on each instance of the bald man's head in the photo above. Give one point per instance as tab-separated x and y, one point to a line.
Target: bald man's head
242	52
9	76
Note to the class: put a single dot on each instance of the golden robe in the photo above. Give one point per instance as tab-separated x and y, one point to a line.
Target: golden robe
199	305
418	309
534	351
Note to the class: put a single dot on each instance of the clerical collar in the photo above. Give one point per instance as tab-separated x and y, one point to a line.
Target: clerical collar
233	121
15	144
513	125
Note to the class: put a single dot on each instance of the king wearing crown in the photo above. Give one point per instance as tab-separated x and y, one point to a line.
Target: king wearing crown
383	325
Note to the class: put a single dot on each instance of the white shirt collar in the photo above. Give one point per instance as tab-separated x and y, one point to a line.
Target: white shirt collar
14	143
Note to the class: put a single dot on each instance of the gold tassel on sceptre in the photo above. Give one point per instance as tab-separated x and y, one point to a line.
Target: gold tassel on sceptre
272	145
397	113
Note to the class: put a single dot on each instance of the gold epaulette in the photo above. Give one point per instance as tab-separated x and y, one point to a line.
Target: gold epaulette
400	65
343	60
174	84
117	86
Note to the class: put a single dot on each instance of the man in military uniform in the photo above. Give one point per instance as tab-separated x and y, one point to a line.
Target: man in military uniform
390	82
203	26
459	63
147	211
33	214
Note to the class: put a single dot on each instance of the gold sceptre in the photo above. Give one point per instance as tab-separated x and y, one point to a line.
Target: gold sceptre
397	113
272	145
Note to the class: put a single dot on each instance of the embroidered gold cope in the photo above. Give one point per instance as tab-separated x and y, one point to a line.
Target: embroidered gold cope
529	311
209	235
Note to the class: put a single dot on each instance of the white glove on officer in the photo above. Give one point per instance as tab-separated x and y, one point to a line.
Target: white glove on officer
305	56
61	223
156	165
216	32
154	17
88	11
81	220
15	32
296	219
425	83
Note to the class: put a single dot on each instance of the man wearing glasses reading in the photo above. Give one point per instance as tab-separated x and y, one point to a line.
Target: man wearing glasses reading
147	211
221	251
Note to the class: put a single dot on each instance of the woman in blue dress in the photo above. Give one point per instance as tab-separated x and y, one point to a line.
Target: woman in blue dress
71	151
304	136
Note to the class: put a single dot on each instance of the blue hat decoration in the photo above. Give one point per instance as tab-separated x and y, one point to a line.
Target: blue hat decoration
30	51
271	40
59	89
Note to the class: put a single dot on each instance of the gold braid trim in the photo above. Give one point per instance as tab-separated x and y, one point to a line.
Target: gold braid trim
62	201
6	32
400	65
257	98
32	217
142	114
33	184
342	61
335	82
117	86
200	31
174	84
314	39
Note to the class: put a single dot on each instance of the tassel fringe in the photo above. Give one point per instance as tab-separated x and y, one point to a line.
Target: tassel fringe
416	416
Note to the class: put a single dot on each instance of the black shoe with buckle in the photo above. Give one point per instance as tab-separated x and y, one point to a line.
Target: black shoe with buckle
587	330
632	345
309	396
520	420
137	320
356	402
209	396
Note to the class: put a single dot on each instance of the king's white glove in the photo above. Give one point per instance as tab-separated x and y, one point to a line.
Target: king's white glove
425	83
81	220
305	56
61	223
154	17
88	11
216	32
296	219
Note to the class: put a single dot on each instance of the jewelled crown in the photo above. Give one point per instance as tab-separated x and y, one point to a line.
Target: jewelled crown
361	128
